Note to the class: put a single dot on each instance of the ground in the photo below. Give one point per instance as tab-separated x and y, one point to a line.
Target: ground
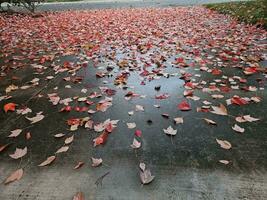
184	67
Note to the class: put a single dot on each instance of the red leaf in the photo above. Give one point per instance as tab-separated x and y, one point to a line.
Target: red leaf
238	101
101	139
184	106
138	133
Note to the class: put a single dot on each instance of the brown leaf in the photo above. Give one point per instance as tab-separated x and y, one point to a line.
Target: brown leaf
15	133
3	147
146	176
79	196
69	139
63	149
226	162
221	110
14	176
209	121
224	144
19	153
96	162
28	136
78	165
48	161
59	135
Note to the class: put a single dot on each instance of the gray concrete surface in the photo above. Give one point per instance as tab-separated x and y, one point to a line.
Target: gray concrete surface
186	166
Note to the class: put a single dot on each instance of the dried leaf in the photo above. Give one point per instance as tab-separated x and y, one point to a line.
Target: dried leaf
226	162
35	119
136	144
221	110
14	176
146	176
96	162
48	161
3	147
19	153
59	135
209	121
131	125
78	165
179	120
224	144
62	149
238	129
79	196
28	136
15	133
170	131
69	139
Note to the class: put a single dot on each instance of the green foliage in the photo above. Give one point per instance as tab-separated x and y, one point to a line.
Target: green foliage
251	12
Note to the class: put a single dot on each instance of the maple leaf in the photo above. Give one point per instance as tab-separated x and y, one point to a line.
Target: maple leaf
170	131
184	106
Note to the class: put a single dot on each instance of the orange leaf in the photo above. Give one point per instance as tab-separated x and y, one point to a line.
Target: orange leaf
10	107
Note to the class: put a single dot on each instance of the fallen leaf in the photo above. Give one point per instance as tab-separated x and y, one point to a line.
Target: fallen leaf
28	136
226	162
19	153
101	139
35	119
146	176
69	139
184	106
139	108
14	176
170	131
48	161
138	133
62	149
79	196
221	110
3	147
142	166
15	133
59	135
96	162
238	129
10	107
224	144
78	165
179	120
131	125
209	121
136	144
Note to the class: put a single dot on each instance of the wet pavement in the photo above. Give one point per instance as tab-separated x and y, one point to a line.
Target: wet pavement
186	166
